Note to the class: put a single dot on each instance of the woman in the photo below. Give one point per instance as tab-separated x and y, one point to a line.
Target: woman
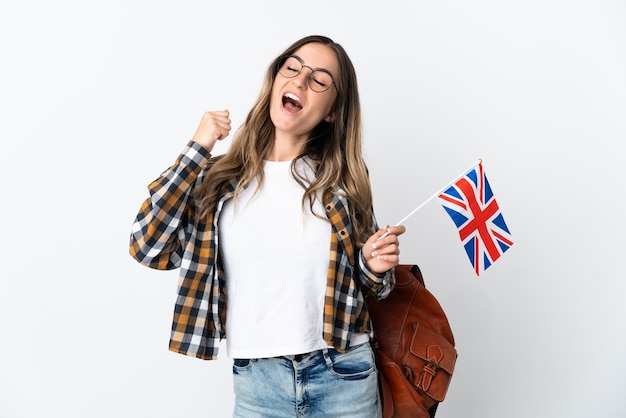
277	242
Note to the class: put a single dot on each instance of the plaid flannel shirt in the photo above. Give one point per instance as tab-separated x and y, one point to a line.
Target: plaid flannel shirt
167	234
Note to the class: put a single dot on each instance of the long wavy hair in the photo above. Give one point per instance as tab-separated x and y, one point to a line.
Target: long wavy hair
335	145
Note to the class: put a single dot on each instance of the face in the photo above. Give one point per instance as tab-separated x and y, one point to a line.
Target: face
295	109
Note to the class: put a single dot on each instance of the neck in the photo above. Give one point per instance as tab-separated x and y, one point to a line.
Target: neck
286	148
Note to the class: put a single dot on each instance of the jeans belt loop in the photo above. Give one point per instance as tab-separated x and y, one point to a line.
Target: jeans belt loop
326	353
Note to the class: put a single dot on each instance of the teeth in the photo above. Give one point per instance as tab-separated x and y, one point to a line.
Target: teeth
292	97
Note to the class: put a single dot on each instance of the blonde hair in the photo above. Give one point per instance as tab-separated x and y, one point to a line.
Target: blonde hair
335	145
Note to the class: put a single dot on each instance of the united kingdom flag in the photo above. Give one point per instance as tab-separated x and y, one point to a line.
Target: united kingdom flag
475	212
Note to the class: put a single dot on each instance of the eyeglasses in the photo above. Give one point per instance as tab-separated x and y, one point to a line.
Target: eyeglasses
319	80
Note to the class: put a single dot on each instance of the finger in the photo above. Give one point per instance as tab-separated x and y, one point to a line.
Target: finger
218	122
222	130
383	263
214	125
382	233
391	249
398	229
212	117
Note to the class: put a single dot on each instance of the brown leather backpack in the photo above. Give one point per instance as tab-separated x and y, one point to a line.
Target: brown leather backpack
414	347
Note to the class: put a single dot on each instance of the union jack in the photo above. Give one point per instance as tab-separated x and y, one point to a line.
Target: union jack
476	214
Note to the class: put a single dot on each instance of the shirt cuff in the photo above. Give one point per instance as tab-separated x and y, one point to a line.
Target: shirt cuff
379	278
194	155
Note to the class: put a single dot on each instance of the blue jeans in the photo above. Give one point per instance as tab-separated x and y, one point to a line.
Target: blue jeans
324	383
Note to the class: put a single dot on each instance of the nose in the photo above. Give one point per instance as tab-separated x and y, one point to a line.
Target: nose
302	79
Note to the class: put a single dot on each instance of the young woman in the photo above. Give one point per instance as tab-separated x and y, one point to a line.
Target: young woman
277	243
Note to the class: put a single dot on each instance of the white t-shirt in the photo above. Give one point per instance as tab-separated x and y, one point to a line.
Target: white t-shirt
275	254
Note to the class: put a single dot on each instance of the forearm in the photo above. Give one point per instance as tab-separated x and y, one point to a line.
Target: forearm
158	230
378	285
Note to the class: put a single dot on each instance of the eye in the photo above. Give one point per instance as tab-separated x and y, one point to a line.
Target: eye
321	78
291	67
319	82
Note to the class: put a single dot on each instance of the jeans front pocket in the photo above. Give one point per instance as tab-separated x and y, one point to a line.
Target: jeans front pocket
241	364
355	364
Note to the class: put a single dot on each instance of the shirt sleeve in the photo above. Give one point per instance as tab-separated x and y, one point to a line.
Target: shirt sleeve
160	228
378	285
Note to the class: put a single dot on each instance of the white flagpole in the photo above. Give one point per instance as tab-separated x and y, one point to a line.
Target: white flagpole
434	195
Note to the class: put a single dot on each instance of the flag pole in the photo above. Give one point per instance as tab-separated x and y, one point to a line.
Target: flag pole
479	161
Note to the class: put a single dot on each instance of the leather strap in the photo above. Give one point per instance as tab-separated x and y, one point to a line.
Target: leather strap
434	354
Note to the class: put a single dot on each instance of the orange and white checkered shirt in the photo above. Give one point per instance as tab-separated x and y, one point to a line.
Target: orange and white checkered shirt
167	234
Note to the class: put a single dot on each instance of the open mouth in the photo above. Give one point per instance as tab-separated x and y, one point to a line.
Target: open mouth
291	102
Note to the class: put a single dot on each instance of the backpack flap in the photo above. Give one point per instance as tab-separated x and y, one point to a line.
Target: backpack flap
430	362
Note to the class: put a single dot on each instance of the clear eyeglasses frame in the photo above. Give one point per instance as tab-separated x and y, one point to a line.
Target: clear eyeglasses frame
290	66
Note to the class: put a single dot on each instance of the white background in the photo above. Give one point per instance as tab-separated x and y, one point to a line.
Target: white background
97	98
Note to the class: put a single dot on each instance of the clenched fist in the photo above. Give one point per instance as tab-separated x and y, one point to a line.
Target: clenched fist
213	126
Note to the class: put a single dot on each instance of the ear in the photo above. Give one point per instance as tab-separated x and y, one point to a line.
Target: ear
330	117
